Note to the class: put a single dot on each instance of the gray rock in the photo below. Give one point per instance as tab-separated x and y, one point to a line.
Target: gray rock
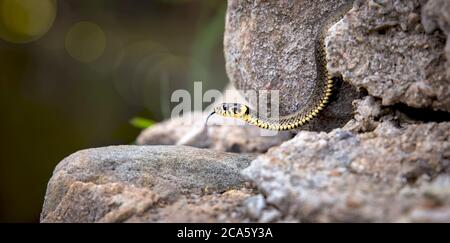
387	175
381	46
435	16
112	184
367	116
269	45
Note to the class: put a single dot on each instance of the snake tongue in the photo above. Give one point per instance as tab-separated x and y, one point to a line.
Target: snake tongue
212	113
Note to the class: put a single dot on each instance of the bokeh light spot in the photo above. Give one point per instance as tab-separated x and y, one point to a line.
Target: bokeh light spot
23	21
85	41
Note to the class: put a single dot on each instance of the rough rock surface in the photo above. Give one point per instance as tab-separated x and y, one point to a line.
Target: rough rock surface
382	46
112	184
436	15
390	174
227	207
270	45
232	136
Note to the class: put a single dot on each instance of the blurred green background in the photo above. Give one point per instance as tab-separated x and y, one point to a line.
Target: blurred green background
73	73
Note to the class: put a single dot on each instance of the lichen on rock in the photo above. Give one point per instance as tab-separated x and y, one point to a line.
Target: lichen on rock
113	184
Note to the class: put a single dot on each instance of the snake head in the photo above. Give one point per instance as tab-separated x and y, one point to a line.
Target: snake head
233	110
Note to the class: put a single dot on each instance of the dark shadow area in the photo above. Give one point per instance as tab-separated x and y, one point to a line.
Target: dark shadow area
423	114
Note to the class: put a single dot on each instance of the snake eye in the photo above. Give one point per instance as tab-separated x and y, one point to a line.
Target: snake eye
224	107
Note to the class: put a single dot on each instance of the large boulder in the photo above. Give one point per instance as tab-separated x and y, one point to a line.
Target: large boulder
388	175
114	184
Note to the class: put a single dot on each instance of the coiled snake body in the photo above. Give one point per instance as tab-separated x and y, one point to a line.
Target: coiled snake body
319	98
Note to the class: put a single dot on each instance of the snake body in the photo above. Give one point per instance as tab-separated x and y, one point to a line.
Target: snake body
319	99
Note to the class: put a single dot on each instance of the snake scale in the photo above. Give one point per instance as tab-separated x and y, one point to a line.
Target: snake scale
319	98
